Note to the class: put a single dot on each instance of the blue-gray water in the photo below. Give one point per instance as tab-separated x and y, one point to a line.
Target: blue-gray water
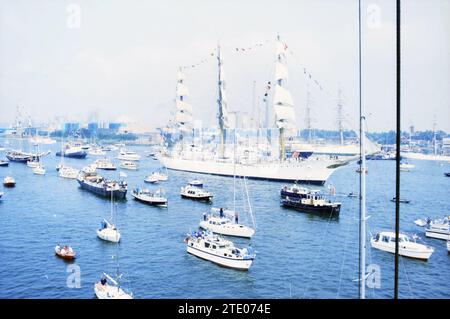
298	255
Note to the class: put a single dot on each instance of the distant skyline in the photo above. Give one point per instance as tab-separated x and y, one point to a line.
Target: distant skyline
120	58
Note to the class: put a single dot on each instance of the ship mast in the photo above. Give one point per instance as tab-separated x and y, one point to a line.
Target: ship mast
340	117
282	100
308	115
183	116
222	103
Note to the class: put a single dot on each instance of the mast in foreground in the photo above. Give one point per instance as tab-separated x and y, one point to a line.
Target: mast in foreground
183	116
222	102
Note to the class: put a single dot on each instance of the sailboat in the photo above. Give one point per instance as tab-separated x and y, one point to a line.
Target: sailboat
226	222
109	287
108	231
219	162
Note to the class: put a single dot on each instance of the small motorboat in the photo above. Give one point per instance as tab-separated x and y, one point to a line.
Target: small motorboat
408	246
68	172
39	170
351	194
9	181
65	252
108	232
406	167
151	179
447	174
4	163
105	164
196	183
161	176
404	201
421	222
96	152
439	228
197	193
145	196
126	155
129	165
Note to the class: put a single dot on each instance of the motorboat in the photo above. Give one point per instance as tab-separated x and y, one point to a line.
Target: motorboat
408	247
127	155
33	163
152	179
39	170
406	167
153	198
439	228
129	165
193	192
68	172
196	183
109	288
65	252
214	248
105	164
312	203
161	176
4	163
108	232
404	201
9	181
352	195
421	222
225	222
296	191
96	152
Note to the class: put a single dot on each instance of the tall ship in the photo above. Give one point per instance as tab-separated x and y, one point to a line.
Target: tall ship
250	162
90	180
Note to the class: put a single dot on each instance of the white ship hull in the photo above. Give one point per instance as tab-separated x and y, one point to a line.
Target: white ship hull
308	171
424	254
437	234
235	230
241	264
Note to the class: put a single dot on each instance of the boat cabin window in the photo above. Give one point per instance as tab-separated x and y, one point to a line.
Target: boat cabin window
206	245
385	239
214	247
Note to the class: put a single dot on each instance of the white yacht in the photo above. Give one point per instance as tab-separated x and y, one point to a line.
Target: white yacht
438	228
197	193
408	247
129	165
225	222
109	288
196	183
39	170
156	198
105	164
108	232
151	179
128	155
218	250
96	152
68	172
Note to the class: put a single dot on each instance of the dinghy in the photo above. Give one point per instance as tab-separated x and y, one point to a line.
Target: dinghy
9	181
65	252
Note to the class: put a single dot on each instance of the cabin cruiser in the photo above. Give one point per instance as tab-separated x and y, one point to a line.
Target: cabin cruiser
438	228
109	288
91	181
105	164
225	222
65	252
9	181
96	152
214	248
312	203
408	246
193	192
196	183
108	232
148	197
39	170
296	191
68	172
129	165
128	155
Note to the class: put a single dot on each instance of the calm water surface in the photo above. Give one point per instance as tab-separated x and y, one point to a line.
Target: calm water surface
298	255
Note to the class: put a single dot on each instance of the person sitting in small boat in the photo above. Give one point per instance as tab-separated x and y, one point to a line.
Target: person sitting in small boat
103	225
103	281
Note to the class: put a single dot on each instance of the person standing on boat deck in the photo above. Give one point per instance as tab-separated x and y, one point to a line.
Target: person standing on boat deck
221	212
236	217
204	217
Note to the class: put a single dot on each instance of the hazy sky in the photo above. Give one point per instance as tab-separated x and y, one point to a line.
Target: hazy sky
122	60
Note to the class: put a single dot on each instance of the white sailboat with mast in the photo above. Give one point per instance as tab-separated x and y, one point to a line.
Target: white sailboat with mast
314	170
